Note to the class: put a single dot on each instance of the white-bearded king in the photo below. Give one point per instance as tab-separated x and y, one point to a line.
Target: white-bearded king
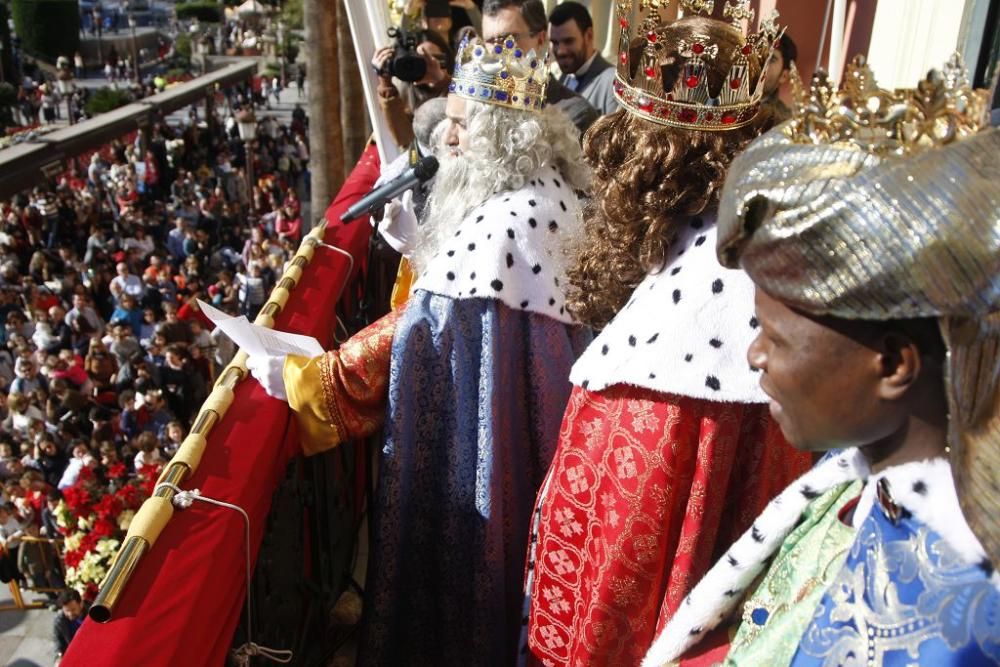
468	379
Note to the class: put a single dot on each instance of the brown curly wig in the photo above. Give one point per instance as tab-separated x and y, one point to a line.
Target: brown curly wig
646	177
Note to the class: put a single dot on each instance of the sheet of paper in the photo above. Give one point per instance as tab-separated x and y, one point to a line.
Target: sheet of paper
255	340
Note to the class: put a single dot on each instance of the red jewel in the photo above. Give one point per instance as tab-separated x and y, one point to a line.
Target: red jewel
650	72
688	115
692	82
735	83
645	104
698	48
670	97
623	22
728	119
746	50
651	36
709	116
623	57
619	87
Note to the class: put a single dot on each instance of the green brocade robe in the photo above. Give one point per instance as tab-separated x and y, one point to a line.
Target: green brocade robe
779	609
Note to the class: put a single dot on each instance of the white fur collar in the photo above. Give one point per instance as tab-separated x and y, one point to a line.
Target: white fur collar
685	330
926	489
512	248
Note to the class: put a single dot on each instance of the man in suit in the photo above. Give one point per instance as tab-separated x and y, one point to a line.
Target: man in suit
525	22
584	70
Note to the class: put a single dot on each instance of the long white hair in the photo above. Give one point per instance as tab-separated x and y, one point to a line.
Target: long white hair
506	148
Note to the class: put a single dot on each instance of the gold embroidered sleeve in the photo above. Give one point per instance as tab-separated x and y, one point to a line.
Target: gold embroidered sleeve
341	395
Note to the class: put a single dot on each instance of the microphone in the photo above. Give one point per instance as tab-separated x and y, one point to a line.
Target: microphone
422	171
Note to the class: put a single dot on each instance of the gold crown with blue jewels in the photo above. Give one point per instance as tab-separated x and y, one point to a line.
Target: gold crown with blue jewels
501	74
689	104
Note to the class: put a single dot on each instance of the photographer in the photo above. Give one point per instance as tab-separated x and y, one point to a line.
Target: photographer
397	60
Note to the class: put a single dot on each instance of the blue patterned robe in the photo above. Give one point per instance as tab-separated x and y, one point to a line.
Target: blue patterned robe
905	596
476	396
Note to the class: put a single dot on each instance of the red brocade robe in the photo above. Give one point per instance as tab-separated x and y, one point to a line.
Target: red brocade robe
648	487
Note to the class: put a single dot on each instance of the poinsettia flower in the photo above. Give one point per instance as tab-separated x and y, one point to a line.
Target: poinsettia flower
103	528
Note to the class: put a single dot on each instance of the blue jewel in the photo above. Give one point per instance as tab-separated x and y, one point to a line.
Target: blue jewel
514	99
509	44
478	51
503	75
527	100
534	64
472	90
451	88
498	49
759	615
518	53
501	96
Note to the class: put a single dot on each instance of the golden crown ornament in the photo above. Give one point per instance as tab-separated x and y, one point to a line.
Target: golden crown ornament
502	74
942	108
690	104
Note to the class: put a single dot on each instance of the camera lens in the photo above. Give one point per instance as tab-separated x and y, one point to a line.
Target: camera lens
408	66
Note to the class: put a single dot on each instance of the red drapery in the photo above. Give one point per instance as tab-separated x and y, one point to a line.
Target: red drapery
186	598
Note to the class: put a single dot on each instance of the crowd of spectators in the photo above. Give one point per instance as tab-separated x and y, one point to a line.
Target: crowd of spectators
105	356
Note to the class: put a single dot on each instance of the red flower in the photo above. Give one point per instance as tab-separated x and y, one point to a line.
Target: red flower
88	543
77	500
108	507
103	528
72	558
117	471
86	474
90	592
130	496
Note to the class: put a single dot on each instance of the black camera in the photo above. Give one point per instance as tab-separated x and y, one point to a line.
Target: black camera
406	64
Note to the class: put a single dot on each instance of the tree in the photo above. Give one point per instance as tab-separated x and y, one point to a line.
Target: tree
47	28
326	137
291	14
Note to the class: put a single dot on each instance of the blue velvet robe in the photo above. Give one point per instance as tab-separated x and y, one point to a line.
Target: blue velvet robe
476	398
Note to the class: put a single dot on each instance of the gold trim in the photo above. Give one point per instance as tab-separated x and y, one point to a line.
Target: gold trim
187	459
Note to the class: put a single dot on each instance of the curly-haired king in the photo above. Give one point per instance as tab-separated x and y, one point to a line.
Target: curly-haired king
646	176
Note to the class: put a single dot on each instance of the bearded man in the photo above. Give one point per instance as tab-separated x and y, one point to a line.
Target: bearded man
467	378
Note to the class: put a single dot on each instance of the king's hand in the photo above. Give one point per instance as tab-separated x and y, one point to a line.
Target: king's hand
268	371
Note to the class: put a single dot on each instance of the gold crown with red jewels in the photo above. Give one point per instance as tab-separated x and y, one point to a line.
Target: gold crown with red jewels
689	104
